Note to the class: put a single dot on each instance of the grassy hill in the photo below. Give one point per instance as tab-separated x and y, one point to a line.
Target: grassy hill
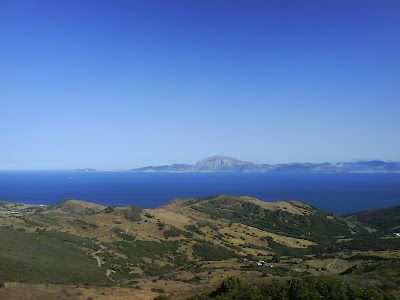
385	220
292	218
185	245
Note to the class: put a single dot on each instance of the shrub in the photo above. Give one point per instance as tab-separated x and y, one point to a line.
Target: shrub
161	297
174	232
208	251
133	213
194	229
109	209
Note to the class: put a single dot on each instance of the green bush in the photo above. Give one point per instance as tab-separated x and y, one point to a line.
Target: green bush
133	213
207	251
109	209
194	229
174	232
121	233
162	297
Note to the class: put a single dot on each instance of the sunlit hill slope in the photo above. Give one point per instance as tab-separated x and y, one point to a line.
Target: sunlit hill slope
181	247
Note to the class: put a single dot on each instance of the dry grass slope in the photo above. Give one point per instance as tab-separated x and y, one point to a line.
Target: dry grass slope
186	245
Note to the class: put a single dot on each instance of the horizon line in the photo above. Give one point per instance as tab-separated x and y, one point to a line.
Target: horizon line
127	169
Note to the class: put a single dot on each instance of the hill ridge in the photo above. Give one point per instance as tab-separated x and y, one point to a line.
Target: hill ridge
186	242
221	163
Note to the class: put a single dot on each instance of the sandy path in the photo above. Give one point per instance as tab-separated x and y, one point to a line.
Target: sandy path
100	262
331	263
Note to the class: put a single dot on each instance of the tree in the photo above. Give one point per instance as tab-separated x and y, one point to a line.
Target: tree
276	258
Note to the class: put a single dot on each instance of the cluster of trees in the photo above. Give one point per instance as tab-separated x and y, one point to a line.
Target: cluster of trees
363	242
174	232
305	288
208	251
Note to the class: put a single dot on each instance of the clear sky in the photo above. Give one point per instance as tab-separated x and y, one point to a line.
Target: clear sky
124	84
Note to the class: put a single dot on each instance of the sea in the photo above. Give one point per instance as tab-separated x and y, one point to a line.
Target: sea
336	193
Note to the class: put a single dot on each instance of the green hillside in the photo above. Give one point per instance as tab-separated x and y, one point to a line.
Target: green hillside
47	257
315	225
385	220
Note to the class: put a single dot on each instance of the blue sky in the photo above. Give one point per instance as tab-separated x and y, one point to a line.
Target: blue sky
124	84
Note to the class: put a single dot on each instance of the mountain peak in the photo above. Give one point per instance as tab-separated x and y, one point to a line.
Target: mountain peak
219	161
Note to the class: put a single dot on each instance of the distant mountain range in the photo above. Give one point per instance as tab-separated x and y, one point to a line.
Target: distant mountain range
221	163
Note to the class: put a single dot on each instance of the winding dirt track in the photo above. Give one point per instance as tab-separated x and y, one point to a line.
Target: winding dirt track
100	262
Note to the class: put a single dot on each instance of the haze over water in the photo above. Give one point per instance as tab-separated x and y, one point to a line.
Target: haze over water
337	193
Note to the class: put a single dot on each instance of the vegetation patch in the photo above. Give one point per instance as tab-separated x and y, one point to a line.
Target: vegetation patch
383	219
123	235
307	288
367	242
175	232
83	224
47	257
317	226
208	251
378	275
139	253
109	209
194	229
133	213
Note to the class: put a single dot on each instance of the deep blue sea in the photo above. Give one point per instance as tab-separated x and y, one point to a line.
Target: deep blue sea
337	193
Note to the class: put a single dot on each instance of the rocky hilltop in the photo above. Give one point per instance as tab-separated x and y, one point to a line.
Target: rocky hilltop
216	163
221	163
